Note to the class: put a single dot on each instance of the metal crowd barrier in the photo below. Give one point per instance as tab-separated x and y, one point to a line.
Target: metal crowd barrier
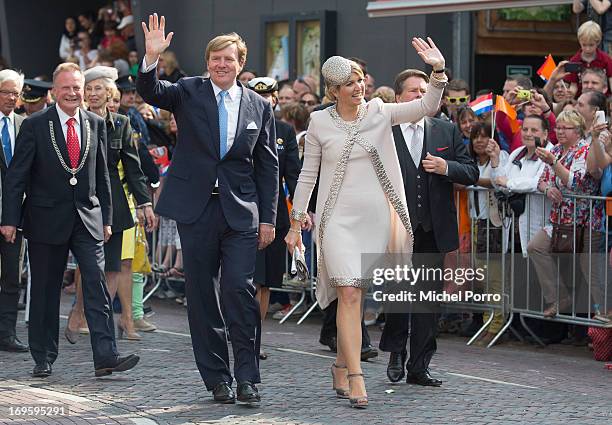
520	290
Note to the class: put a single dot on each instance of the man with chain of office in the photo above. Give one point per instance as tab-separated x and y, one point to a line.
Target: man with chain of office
60	165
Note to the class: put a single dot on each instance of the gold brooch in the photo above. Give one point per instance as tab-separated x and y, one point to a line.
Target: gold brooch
279	141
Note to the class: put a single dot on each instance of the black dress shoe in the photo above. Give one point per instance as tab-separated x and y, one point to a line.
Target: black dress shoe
13	345
331	342
121	364
368	352
42	370
223	393
247	393
396	367
424	379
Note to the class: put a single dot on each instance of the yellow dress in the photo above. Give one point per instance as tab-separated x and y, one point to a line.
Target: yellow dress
129	235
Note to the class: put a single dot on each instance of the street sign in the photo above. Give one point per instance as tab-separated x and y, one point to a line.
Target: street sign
526	70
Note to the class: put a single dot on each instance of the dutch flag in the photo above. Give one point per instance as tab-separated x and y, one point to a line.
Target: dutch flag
482	104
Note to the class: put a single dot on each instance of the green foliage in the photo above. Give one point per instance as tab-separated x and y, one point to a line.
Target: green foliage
540	13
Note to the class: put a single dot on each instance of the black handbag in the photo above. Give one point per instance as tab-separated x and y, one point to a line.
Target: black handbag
511	203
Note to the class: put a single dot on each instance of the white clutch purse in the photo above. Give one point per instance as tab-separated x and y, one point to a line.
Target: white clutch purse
298	265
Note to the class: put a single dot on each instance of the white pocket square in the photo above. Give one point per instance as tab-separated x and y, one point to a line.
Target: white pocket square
252	126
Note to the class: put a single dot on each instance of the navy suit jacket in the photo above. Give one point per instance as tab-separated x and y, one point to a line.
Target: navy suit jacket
52	204
247	174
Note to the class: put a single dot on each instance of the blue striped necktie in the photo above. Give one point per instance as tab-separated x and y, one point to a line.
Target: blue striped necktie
6	141
222	124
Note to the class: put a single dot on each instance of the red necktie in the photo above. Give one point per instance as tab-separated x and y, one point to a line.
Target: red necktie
72	143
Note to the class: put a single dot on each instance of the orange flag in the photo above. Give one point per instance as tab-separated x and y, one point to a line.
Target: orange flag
501	105
547	68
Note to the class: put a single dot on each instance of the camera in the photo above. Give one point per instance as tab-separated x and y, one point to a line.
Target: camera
524	95
574	67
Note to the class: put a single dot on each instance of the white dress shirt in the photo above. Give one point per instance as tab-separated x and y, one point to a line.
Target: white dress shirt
11	128
64	117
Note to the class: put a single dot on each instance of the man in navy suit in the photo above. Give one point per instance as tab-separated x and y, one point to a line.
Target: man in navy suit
222	190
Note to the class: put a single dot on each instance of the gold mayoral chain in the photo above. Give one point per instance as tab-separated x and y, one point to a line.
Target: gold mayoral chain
73	171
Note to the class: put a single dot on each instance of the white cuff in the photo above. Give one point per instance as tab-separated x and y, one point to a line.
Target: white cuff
144	68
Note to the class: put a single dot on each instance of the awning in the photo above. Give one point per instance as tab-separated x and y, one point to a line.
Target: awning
383	8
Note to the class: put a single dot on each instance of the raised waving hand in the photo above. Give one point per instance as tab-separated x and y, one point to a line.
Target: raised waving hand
429	52
156	40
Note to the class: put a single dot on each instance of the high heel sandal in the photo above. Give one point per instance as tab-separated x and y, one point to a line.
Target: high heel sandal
340	392
71	336
357	402
130	336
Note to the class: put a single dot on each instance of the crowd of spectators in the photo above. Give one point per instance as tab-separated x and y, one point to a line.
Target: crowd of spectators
557	147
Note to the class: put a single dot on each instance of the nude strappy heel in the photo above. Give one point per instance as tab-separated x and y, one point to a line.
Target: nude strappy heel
357	402
340	392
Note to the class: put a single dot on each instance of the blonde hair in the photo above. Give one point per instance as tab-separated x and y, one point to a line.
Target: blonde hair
355	69
67	67
220	42
387	94
170	62
114	92
572	118
590	31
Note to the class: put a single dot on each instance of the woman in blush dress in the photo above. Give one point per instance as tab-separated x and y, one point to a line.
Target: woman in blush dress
361	205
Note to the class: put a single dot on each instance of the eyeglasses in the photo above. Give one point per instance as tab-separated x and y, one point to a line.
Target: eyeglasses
308	102
565	128
10	93
458	100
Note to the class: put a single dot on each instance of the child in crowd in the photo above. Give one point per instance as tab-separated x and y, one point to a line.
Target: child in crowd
589	55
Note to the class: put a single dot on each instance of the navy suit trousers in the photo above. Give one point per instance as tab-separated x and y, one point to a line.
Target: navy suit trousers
214	253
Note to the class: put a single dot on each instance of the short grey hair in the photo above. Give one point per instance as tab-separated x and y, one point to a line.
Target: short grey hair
12	75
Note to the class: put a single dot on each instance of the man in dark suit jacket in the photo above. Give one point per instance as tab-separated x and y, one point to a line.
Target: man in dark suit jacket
222	190
60	164
271	262
432	157
11	84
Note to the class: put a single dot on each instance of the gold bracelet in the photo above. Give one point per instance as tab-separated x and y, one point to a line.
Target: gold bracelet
291	229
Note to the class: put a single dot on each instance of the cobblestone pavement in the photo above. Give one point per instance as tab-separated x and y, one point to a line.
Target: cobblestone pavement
509	384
